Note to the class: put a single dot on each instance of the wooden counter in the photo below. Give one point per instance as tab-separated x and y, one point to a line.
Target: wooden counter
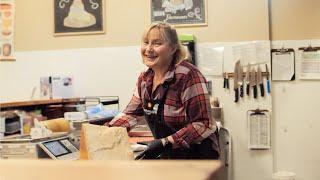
19	104
110	170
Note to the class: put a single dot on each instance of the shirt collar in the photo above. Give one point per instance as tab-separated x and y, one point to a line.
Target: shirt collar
168	77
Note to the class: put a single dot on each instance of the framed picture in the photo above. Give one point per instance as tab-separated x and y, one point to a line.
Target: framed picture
72	17
179	12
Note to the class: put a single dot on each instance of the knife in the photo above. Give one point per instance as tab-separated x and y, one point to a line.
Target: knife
240	79
248	79
253	82
260	81
268	80
235	83
226	81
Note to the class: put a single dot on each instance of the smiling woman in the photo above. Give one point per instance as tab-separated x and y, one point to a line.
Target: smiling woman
172	96
161	46
158	49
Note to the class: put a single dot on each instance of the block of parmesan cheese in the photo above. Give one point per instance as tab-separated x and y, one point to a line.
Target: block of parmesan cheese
104	143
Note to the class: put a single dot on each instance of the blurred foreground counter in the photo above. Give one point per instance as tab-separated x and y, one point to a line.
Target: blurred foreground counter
122	170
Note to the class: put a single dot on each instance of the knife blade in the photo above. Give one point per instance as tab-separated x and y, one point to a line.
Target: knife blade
260	81
248	79
253	82
235	83
268	80
240	79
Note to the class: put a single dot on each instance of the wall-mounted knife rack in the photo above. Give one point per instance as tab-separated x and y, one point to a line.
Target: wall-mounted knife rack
230	74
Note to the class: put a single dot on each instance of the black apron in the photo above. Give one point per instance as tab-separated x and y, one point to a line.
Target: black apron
153	111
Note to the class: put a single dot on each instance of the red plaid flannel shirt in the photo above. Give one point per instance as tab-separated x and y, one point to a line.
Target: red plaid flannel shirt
187	107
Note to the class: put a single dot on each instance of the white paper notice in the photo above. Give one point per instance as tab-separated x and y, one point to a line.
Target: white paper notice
310	65
253	52
211	60
259	137
282	66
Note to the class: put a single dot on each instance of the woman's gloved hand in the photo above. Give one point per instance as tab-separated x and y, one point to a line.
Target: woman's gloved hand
154	150
107	124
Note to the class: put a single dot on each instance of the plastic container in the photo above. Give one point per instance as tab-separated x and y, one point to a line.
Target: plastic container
283	175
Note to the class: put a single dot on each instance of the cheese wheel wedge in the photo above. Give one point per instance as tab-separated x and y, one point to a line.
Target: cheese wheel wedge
104	143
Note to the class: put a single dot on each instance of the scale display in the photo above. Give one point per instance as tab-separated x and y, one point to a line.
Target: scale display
56	148
60	149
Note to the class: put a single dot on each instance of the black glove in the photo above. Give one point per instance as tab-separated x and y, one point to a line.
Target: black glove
154	150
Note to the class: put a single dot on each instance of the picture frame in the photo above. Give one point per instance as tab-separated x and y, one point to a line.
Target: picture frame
180	12
76	17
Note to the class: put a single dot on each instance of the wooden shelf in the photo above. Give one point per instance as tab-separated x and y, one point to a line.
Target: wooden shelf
50	108
55	108
19	104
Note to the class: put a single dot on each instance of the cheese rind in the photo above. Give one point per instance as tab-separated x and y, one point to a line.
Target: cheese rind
106	143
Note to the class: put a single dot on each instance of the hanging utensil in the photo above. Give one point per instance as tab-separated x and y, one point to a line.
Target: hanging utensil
226	81
248	80
260	81
268	80
253	82
240	79
235	83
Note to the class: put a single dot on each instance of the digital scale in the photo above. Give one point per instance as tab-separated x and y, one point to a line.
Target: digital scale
58	147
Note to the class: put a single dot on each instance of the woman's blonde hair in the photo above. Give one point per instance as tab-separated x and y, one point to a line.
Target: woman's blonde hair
169	34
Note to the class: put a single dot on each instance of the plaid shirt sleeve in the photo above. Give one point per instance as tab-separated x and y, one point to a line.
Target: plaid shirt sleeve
129	117
195	98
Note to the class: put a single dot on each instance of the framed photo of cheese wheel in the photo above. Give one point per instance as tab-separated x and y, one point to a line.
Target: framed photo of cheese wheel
180	12
74	17
7	11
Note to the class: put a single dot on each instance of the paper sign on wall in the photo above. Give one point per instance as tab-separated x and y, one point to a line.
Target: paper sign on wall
210	60
7	12
310	63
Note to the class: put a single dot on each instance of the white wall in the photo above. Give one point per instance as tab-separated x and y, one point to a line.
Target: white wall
296	117
96	72
246	164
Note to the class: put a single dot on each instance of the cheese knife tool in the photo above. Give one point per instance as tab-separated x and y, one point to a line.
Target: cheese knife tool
268	80
260	81
235	83
226	81
248	80
253	82
240	79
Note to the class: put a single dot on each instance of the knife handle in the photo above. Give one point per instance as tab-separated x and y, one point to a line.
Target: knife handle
248	89
268	86
255	93
262	89
241	90
236	95
227	83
